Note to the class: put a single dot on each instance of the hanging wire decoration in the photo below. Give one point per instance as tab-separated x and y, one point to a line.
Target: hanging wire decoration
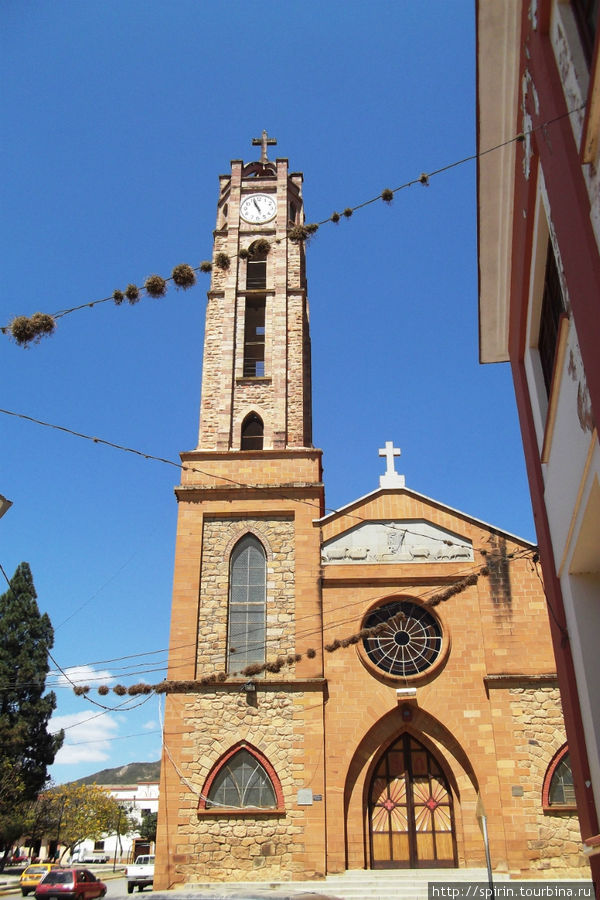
27	330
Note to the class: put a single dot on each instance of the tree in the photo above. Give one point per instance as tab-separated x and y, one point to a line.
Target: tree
13	810
148	826
75	812
25	639
26	746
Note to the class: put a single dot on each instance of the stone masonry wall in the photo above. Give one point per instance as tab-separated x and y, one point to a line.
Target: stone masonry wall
553	839
219	538
213	351
217	846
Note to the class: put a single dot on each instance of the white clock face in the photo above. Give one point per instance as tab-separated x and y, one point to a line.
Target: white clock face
258	208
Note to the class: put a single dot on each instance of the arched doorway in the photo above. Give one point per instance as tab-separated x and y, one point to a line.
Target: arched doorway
411	817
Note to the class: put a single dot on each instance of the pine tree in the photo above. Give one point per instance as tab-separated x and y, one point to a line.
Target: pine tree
26	747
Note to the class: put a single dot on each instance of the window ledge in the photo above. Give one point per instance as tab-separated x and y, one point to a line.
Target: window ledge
560	808
250	811
252	379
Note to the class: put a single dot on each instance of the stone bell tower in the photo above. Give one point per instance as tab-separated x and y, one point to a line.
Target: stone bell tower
256	391
245	717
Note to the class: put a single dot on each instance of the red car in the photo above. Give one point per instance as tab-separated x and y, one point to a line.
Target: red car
80	884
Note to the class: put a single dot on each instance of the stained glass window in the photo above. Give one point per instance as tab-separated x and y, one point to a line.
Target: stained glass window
410	644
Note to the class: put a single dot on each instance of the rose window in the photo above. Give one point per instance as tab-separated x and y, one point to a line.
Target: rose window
408	640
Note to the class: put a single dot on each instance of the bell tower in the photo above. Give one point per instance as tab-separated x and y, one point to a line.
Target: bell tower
243	750
256	391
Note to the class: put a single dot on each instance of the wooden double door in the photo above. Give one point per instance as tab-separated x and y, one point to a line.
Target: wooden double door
411	817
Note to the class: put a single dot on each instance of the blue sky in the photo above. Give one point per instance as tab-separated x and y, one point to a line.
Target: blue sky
118	118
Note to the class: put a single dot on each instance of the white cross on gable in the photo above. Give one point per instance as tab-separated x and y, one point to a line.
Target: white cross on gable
389	451
391	479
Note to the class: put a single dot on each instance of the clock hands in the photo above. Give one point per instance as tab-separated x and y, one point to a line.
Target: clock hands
259	208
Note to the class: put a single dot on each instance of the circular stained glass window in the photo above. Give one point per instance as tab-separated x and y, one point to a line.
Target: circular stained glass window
410	643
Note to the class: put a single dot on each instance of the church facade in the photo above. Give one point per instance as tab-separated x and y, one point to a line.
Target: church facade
366	688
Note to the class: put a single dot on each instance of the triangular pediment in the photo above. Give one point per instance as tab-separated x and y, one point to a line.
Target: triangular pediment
401	526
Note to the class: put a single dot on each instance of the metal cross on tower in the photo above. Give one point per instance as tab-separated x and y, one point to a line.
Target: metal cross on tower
263	142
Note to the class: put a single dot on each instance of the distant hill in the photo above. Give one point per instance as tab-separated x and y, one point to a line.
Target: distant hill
132	773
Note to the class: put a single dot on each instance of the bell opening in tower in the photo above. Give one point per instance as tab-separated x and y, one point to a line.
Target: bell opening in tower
252	433
254	337
256	273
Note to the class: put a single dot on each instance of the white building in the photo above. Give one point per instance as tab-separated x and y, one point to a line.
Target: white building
137	801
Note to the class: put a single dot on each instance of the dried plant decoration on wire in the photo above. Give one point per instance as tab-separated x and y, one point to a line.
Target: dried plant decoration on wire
141	688
262	245
276	665
155	286
183	276
80	690
132	292
24	330
23	333
387	195
222	261
299	233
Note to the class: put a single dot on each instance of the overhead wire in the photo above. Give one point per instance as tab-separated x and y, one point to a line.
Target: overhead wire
386	195
277	490
423	179
76	681
120	737
435	597
122	706
105	711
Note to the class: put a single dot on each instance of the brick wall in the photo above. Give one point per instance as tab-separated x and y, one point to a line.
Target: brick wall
479	709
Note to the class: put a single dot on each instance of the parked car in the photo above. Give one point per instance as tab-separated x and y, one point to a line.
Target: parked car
19	859
140	874
32	875
79	883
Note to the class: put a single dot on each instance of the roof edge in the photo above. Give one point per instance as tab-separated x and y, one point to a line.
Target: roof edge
342	510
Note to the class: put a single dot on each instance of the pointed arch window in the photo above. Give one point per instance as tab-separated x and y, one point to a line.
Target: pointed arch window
247	604
558	792
252	433
242	782
243	779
